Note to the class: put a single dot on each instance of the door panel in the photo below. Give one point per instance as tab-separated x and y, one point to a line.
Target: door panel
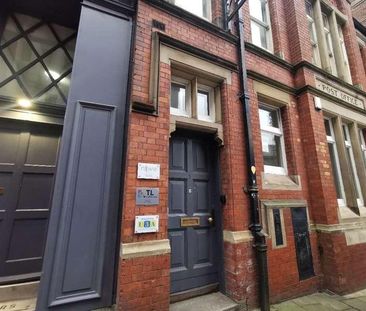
27	165
192	193
302	243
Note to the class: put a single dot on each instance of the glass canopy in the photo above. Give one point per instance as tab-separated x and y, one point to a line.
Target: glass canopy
35	60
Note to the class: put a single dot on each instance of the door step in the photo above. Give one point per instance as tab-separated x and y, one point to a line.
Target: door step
211	302
21	291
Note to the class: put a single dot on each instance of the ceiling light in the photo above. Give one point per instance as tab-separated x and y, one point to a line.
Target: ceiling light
24	102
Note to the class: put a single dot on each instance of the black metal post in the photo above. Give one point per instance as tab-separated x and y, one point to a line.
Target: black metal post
252	190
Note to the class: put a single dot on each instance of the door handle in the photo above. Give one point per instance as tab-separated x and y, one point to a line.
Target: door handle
210	220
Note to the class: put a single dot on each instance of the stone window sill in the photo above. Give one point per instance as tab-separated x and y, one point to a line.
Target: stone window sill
280	182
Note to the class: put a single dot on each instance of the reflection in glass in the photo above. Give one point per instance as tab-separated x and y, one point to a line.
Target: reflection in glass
257	9
268	117
51	96
336	176
26	21
271	148
197	7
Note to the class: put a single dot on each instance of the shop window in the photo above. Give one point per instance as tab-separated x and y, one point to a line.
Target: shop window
272	140
334	158
186	102
201	8
36	60
260	24
352	163
330	50
313	35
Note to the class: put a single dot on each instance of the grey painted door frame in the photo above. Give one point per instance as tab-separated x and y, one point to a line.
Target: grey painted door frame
195	179
80	257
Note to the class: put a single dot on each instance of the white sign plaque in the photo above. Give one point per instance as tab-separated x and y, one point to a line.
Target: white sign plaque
148	171
146	224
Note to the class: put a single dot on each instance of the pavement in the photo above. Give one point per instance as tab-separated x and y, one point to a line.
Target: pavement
324	302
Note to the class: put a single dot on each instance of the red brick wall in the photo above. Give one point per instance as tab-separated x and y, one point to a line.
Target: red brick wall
306	152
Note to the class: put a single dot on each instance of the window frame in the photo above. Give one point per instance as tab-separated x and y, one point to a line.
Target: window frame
271	169
332	140
188	104
352	164
329	42
211	103
363	145
263	24
313	34
345	59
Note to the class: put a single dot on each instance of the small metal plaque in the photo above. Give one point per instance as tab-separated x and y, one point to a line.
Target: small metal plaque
146	223
2	190
147	196
189	221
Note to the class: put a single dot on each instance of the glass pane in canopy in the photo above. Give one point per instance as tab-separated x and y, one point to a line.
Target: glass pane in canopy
63	32
4	70
64	85
70	47
11	31
51	97
57	63
26	21
12	89
19	54
35	79
42	39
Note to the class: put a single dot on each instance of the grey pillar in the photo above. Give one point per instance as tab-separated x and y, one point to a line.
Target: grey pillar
80	255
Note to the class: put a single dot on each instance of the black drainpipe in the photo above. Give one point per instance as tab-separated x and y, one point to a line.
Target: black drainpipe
252	190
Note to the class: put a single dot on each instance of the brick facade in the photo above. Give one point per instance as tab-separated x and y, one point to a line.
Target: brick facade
144	281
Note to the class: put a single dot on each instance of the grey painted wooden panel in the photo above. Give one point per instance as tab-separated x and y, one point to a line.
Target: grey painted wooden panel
80	257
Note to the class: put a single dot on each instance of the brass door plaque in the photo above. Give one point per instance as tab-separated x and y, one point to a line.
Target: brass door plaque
189	221
2	190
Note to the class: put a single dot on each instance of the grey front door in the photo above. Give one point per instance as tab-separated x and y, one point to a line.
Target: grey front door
193	215
28	154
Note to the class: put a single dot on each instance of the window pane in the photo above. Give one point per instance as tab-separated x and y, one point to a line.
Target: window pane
63	32
19	54
271	147
12	89
336	173
309	8
64	85
178	96
203	106
268	117
259	35
257	9
10	31
277	226
57	63
35	79
26	21
4	70
327	127
42	39
52	96
70	47
197	7
351	163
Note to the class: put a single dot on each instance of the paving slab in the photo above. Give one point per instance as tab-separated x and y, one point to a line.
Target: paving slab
211	302
356	303
18	305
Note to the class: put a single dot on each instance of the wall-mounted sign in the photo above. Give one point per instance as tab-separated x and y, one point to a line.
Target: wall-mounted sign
147	224
353	100
148	171
147	196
